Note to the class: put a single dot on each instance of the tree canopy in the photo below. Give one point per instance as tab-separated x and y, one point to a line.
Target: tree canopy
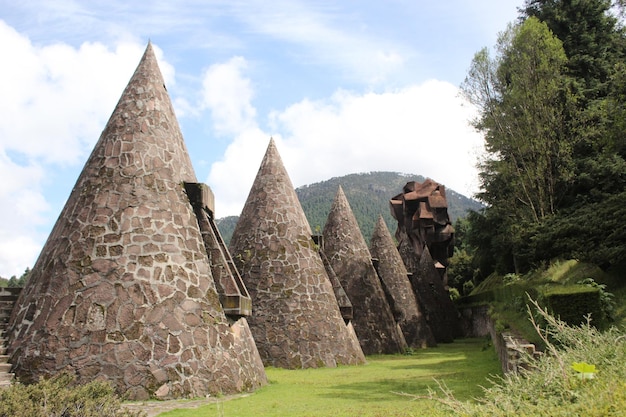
551	108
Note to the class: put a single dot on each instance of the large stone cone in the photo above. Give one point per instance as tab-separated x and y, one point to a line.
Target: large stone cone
296	321
350	258
122	290
394	278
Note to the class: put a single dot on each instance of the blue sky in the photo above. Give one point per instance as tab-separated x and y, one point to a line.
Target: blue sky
342	87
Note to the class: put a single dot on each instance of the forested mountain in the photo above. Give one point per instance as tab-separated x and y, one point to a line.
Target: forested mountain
368	195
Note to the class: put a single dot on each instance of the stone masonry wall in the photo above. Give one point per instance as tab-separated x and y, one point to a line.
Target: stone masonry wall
296	320
122	289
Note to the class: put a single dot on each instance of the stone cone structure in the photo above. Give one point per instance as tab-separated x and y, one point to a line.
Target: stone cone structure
395	281
296	321
441	314
350	258
122	289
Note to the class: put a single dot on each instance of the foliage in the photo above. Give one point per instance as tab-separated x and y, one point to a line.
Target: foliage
591	37
592	232
368	195
61	397
226	227
15	281
573	303
489	242
454	294
571	289
559	382
607	299
461	271
523	100
551	107
366	390
585	370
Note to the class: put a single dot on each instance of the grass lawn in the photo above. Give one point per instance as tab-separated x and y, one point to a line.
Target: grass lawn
367	390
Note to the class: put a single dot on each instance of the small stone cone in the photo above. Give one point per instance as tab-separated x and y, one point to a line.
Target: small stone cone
296	321
441	314
350	258
122	289
395	281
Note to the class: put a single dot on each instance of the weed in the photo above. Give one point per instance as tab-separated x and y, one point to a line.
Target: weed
563	381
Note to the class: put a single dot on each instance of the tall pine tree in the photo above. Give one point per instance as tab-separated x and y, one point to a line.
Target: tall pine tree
557	119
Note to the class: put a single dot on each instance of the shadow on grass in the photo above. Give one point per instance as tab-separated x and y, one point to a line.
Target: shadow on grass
385	389
409	375
422	371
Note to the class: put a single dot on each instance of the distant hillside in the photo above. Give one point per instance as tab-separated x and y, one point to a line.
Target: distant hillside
368	195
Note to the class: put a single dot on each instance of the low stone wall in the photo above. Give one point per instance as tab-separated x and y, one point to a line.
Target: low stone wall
513	351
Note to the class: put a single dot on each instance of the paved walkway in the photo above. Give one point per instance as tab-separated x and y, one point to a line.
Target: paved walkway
154	408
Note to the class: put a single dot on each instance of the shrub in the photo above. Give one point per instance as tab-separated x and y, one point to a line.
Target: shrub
555	386
59	396
572	303
607	299
454	294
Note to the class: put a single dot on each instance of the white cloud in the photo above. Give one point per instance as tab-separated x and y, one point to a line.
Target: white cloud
421	129
231	178
55	102
21	211
56	98
325	34
228	95
57	95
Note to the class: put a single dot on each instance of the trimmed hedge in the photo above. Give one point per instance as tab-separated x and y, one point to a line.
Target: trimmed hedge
573	303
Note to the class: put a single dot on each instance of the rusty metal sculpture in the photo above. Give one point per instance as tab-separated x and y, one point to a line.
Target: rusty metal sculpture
425	241
422	214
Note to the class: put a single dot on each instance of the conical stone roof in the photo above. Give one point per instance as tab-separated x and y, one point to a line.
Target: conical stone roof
122	289
296	320
350	258
441	314
394	278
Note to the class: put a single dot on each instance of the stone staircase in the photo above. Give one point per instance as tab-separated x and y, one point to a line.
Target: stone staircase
8	297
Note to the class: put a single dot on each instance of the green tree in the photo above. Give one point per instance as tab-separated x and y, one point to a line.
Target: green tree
524	100
591	36
590	223
595	44
21	281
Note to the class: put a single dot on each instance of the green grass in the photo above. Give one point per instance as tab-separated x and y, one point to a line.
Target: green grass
367	390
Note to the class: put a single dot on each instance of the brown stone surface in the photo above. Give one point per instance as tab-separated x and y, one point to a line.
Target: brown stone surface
440	312
122	289
350	258
296	321
394	278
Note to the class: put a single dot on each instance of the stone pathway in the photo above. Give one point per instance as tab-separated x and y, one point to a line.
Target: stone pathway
154	408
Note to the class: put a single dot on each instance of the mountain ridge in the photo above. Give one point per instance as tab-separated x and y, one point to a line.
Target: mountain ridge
368	194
